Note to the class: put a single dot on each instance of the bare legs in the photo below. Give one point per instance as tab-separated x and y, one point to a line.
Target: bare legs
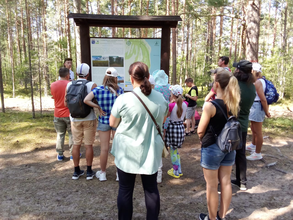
211	177
188	125
89	154
105	143
257	138
226	189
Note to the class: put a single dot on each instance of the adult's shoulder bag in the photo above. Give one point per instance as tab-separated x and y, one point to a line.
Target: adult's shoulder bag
76	93
230	137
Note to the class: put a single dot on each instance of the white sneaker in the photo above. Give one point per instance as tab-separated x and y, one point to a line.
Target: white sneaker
251	147
254	156
159	176
101	175
117	177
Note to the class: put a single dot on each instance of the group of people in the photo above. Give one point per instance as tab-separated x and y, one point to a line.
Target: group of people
137	146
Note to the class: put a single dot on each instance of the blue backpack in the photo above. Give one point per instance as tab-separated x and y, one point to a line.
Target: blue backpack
270	92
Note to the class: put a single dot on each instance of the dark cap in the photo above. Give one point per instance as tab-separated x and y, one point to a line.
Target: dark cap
243	65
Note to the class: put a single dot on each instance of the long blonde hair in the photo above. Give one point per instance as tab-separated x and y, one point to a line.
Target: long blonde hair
110	81
231	90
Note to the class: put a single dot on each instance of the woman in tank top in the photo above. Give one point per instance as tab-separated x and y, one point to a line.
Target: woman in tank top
258	111
216	164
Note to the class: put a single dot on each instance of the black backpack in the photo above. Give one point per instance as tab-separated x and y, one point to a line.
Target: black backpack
76	93
230	137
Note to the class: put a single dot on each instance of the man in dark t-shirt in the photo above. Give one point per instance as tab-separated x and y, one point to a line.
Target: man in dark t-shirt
191	98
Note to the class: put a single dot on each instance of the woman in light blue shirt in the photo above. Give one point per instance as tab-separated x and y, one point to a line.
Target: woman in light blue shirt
137	146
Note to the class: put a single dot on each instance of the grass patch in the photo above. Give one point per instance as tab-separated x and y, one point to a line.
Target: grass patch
276	127
19	131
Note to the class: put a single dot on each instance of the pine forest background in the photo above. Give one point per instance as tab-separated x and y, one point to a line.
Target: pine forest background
36	36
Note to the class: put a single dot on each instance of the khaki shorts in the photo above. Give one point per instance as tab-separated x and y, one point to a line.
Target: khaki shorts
84	130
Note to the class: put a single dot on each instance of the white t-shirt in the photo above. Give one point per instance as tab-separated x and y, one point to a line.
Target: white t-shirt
173	116
71	73
91	115
264	88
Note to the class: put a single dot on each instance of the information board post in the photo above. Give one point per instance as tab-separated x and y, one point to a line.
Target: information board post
165	49
84	31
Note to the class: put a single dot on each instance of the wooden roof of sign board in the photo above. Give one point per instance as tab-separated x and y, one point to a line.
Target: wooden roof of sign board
125	20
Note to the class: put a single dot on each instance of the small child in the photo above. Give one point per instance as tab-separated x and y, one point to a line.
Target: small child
175	131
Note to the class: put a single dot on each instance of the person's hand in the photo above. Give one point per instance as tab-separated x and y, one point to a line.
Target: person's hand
268	114
101	112
187	95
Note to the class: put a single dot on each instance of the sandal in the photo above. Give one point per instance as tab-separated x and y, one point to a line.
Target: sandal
187	134
192	132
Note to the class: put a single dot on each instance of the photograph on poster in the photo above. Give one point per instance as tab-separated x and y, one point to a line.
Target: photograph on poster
100	61
116	61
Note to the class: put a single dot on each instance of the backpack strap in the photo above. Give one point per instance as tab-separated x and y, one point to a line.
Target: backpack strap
225	114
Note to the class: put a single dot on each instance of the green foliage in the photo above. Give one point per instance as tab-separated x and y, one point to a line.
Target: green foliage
217	3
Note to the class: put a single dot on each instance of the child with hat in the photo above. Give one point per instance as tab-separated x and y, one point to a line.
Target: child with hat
175	131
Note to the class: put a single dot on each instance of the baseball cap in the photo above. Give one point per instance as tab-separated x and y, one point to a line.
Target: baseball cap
243	65
111	72
82	69
256	67
176	90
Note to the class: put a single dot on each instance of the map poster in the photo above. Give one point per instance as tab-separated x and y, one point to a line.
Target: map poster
120	54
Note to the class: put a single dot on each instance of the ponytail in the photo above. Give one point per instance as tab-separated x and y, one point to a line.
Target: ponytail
231	96
146	87
179	106
231	90
140	73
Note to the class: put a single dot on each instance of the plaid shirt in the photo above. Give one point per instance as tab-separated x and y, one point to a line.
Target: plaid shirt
106	101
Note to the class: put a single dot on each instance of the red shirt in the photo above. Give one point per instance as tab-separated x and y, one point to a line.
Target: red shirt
58	93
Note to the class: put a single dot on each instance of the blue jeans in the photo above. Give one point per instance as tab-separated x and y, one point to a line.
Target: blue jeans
61	126
212	157
125	195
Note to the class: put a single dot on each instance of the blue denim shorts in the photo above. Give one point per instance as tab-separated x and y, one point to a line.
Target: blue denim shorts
212	157
104	127
257	114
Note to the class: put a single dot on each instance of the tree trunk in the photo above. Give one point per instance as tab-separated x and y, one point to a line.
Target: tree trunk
39	62
67	29
221	31
87	6
45	51
252	30
123	29
129	13
22	30
236	40
187	49
214	11
282	77
1	83
112	12
275	28
77	7
29	56
182	42
99	12
174	41
17	36
10	47
231	35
